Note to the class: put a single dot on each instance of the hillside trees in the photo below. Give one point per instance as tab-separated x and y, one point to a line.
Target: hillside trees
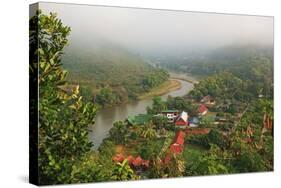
106	96
63	116
155	79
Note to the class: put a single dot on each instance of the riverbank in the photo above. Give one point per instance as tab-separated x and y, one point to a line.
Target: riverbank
168	86
183	77
107	116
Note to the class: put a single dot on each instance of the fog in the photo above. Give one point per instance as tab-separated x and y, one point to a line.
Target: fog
161	31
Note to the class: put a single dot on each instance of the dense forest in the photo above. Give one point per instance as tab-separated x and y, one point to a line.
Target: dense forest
236	134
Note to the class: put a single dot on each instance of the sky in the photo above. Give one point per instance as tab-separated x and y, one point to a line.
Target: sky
148	30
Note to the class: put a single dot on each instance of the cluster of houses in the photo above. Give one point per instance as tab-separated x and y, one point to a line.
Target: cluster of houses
140	164
181	119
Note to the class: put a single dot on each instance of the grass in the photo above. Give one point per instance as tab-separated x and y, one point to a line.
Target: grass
191	152
170	85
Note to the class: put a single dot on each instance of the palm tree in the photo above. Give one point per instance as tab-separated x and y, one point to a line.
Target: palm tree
148	131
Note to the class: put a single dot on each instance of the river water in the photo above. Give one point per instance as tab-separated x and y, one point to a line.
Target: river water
106	116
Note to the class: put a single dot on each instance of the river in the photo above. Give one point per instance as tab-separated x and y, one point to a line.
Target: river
106	116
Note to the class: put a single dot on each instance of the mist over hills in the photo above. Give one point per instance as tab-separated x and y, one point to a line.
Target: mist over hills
102	61
121	49
212	61
108	72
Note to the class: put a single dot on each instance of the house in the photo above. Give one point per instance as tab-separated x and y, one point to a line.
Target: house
119	158
170	114
202	110
193	122
137	162
182	119
130	159
207	100
140	163
178	143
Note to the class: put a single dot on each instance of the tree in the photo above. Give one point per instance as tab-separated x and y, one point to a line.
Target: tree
158	105
118	132
211	163
106	96
176	166
148	131
160	121
149	148
63	116
249	160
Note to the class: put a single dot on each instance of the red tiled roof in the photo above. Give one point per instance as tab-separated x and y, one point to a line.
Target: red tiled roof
130	159
179	138
202	108
138	161
176	148
183	116
118	158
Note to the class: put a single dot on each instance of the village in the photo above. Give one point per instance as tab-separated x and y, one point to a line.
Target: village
182	125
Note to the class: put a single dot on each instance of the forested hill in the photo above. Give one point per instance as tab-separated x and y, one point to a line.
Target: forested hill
233	58
109	73
250	66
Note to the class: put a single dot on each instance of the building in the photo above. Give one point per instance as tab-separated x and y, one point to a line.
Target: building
171	114
119	158
130	159
202	110
137	163
182	119
178	143
207	100
193	122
